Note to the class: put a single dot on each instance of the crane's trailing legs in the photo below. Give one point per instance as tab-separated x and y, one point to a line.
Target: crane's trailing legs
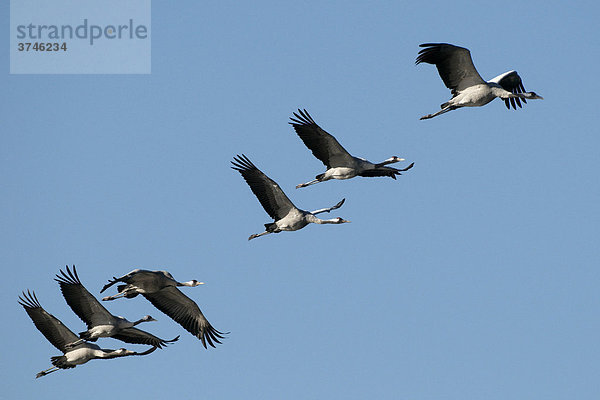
301	185
255	235
116	296
46	372
442	111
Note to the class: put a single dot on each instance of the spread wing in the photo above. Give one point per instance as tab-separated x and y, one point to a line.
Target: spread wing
268	192
138	336
50	326
511	81
323	145
82	302
186	313
453	63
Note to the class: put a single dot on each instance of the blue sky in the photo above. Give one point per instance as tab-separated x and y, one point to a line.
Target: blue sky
474	275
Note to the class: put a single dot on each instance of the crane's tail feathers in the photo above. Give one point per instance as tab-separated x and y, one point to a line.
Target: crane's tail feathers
60	362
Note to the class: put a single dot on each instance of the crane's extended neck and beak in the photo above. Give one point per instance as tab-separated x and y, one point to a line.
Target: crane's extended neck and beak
390	160
147	318
532	96
311	218
192	283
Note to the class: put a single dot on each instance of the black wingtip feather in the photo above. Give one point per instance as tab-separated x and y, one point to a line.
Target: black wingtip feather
29	300
68	278
242	163
302	118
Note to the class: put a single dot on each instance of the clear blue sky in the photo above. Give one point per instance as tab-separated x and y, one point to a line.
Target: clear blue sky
473	276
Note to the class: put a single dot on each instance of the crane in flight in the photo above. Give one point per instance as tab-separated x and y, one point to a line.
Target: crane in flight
286	216
456	69
340	164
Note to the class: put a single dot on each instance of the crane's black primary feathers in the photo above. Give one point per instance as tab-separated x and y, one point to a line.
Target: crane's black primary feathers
323	145
87	308
268	192
185	312
50	326
454	64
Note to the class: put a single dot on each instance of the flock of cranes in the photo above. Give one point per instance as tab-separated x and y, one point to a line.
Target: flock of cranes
158	287
468	88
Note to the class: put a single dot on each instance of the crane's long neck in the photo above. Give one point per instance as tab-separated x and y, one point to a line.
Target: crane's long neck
109	353
390	160
315	220
328	221
505	94
499	91
190	283
526	95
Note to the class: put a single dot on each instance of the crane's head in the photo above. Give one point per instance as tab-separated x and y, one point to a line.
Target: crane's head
148	318
392	160
534	95
193	283
340	220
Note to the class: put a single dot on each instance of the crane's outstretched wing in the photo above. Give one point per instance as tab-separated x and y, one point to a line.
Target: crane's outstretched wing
186	313
453	63
322	144
385	171
50	326
511	81
268	192
138	336
82	302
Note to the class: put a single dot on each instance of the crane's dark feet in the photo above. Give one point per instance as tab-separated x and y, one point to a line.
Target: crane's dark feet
426	117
